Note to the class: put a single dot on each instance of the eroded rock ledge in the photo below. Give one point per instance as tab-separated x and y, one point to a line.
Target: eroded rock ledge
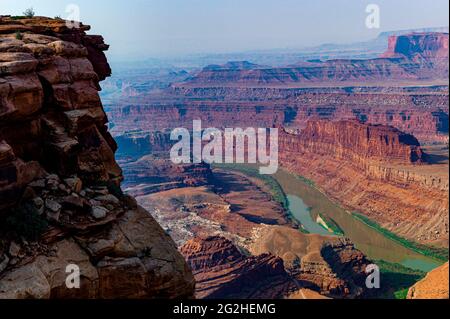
328	265
60	197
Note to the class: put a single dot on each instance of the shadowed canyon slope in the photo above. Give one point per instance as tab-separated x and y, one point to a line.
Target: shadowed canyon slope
60	197
221	271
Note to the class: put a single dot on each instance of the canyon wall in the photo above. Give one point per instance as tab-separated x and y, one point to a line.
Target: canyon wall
410	58
419	44
60	196
325	264
355	141
422	112
328	264
374	170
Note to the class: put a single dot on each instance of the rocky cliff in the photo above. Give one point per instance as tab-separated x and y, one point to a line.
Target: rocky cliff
329	265
433	286
60	197
368	168
283	261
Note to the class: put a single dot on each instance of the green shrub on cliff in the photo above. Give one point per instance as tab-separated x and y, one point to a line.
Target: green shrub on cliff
29	13
19	35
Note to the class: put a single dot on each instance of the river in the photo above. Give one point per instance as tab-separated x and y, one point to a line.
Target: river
305	200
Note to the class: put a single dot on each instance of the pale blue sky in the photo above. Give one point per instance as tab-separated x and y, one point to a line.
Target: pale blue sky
139	28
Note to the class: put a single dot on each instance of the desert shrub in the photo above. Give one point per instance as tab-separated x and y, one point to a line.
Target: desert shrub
25	221
115	190
29	13
19	35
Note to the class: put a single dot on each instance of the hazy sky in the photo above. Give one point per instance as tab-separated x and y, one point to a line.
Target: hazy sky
145	28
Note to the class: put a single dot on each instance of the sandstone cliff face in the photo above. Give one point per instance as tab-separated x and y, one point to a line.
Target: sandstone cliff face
152	174
433	286
221	271
425	45
329	265
60	198
421	111
368	169
353	140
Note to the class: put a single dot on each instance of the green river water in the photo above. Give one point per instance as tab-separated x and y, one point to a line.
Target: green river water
305	200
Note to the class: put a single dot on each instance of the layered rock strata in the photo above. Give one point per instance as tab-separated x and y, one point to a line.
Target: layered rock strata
421	111
433	286
407	88
368	168
152	174
329	265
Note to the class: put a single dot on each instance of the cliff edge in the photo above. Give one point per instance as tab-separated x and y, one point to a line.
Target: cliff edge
433	286
60	199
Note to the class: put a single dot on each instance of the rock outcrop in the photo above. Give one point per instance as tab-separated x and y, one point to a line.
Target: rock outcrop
60	197
421	111
355	141
418	45
285	263
368	168
433	286
222	271
152	174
